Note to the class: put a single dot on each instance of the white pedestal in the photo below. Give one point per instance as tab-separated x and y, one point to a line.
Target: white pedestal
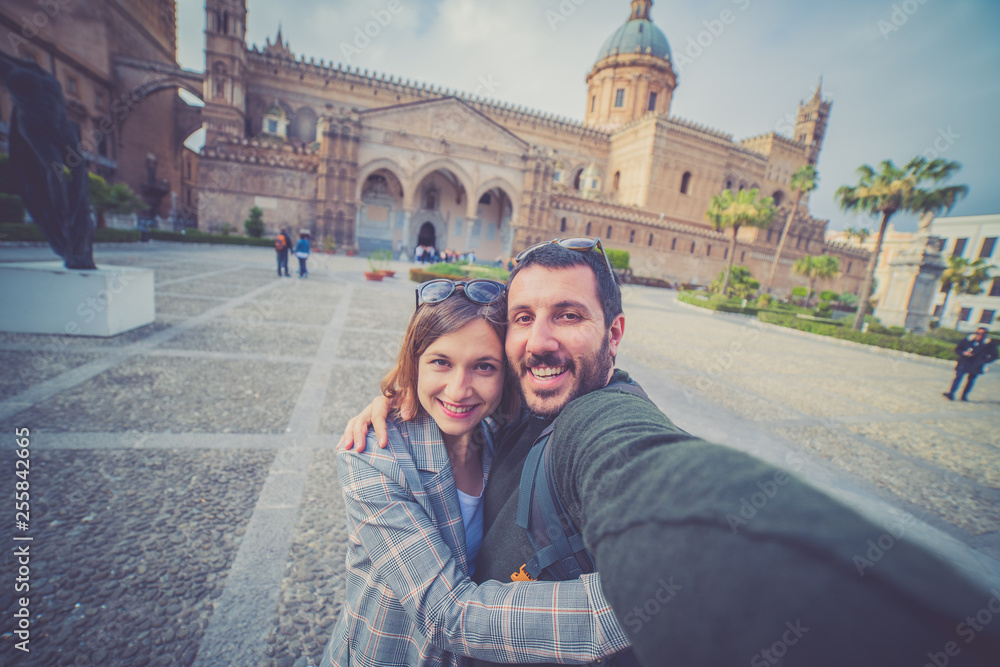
48	298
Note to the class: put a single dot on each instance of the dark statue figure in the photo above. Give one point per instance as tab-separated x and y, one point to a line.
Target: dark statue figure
43	145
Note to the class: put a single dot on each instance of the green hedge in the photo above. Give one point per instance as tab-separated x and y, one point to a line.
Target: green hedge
13	231
109	235
619	258
922	345
454	270
719	303
33	233
195	236
11	208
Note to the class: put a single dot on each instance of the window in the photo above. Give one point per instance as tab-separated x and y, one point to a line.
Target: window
963	315
616	181
995	287
486	199
652	102
588	229
691	251
769	232
631	236
725	253
620	97
272	126
650	244
778	197
673	245
987	249
987	317
609	233
944	288
71	86
849	265
99	100
743	256
959	247
708	250
593	102
729	185
562	225
685	182
937	310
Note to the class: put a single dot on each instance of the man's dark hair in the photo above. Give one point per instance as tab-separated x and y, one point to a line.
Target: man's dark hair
554	256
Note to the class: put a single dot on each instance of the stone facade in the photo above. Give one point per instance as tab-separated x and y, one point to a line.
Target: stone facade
378	162
116	62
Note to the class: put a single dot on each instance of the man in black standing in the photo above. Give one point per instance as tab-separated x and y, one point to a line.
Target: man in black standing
973	354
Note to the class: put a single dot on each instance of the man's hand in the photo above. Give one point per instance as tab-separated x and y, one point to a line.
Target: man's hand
357	428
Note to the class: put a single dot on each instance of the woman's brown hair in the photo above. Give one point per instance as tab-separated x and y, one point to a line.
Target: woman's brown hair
432	321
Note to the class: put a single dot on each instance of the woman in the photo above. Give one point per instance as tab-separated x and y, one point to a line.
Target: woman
415	512
302	250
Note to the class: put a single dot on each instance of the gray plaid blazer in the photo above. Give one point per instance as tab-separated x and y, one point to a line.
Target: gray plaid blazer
409	599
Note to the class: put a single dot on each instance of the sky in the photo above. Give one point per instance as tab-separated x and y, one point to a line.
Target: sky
907	78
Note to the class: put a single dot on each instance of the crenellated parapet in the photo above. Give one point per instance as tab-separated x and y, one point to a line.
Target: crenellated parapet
263	153
615	212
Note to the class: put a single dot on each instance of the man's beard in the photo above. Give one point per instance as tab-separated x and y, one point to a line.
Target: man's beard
590	374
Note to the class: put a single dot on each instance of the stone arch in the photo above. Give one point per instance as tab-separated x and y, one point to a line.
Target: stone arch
410	201
381	164
497	183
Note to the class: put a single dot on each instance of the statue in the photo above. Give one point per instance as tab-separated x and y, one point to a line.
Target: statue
43	144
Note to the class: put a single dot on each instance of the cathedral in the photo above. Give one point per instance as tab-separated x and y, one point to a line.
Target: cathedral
371	161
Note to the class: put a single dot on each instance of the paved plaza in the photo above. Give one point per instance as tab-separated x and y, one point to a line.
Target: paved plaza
184	499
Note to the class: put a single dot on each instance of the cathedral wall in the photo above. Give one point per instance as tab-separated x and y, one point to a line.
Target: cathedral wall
227	190
678	152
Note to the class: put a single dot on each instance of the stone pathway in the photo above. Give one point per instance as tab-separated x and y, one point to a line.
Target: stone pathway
184	498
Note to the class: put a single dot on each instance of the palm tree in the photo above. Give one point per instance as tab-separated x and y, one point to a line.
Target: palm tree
804	180
743	209
817	268
859	233
893	189
963	277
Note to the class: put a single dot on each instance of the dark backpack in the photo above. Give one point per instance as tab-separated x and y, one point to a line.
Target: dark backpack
558	544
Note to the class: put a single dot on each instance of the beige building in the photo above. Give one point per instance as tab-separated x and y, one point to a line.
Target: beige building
972	237
893	243
374	161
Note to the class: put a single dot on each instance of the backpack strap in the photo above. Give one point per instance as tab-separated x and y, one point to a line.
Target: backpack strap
558	544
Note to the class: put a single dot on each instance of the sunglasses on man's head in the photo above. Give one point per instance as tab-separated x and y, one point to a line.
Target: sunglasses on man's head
480	290
581	243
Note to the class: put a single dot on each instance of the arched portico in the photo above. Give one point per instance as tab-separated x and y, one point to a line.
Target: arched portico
381	220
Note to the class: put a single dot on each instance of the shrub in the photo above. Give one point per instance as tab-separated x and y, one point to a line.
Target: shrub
197	236
897	331
255	223
619	258
11	208
717	302
922	345
829	295
877	328
20	232
454	270
950	335
824	309
764	300
800	292
117	235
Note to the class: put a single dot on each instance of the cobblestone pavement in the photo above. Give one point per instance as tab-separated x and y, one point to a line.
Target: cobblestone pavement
184	498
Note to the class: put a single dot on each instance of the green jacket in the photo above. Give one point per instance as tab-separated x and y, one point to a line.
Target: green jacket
710	556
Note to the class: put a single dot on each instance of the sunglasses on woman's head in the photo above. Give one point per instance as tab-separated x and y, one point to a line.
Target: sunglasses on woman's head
581	243
478	291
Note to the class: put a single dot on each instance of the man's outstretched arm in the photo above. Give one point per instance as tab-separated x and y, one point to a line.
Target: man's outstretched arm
710	556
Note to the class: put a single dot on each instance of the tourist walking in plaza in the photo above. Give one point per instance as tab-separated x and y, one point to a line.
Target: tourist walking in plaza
302	250
973	354
282	246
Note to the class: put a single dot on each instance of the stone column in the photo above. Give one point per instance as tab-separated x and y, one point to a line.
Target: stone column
913	281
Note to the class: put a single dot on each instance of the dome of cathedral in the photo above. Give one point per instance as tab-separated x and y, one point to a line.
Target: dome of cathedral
638	35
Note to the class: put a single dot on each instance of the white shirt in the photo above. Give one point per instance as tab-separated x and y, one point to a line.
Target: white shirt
472	519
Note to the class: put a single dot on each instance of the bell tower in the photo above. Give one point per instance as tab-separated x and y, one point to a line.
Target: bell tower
810	123
225	65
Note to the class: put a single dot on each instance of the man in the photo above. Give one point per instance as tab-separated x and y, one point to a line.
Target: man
973	353
282	246
707	555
